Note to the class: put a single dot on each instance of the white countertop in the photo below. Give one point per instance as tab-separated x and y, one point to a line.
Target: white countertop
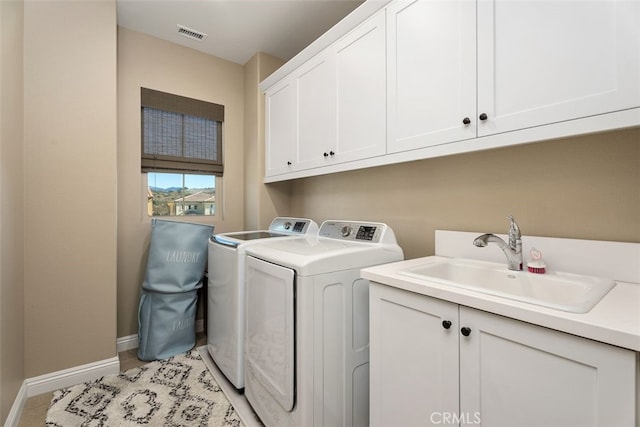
614	320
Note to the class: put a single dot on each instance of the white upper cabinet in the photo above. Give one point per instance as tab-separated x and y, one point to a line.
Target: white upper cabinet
541	62
431	73
280	129
316	110
427	78
332	109
538	63
341	99
361	92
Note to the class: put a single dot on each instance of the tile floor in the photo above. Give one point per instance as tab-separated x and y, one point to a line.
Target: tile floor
34	413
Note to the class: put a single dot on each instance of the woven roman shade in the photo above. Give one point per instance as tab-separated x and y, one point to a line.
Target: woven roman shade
180	134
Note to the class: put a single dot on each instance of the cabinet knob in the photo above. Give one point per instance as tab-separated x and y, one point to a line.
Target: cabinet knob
288	163
466	121
483	116
446	324
465	331
326	154
331	153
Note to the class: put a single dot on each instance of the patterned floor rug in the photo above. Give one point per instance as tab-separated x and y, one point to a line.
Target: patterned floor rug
177	392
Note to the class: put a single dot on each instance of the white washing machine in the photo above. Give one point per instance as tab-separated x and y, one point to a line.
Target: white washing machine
226	292
307	342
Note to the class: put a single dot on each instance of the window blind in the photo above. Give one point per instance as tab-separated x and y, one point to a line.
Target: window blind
180	134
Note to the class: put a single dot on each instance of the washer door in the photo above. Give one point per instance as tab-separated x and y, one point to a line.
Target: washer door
270	345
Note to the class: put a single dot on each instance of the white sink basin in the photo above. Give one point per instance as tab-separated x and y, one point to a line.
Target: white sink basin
562	291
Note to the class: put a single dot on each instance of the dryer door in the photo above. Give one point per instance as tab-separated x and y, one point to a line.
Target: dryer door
270	345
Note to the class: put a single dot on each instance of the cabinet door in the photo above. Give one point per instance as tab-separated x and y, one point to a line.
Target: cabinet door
316	110
517	374
280	129
431	72
413	360
543	62
361	92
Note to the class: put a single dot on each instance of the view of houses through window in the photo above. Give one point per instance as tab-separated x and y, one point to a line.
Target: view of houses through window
177	194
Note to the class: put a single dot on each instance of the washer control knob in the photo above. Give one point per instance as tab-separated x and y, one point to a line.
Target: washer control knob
287	225
345	231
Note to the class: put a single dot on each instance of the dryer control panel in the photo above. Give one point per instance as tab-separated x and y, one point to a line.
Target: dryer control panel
286	225
366	232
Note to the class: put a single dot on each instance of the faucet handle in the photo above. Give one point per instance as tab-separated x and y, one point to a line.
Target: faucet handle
514	230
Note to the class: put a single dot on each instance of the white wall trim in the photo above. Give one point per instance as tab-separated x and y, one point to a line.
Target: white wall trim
127	343
72	376
57	380
130	342
13	419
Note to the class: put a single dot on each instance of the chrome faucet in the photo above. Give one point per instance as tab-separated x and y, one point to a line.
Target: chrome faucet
513	250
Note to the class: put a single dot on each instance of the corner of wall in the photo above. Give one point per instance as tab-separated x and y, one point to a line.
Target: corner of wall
262	202
12	305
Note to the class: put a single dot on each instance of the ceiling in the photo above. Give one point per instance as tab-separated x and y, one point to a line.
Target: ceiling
236	29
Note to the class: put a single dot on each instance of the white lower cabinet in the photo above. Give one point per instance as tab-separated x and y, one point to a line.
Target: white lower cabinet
437	363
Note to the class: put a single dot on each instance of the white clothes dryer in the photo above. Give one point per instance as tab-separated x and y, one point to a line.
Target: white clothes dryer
225	290
307	342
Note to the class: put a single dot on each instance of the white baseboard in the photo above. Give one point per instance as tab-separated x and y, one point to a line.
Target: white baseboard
57	380
13	419
131	341
72	376
127	343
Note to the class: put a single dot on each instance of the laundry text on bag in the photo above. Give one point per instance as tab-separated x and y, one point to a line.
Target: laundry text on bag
182	256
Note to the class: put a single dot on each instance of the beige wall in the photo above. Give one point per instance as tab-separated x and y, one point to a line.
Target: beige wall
11	220
69	211
150	62
584	187
262	203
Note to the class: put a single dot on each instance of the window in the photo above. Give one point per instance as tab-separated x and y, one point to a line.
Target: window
181	153
178	194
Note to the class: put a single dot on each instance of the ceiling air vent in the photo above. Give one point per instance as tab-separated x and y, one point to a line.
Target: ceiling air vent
192	34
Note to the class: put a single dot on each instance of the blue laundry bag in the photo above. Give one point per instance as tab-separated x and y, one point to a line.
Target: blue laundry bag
175	271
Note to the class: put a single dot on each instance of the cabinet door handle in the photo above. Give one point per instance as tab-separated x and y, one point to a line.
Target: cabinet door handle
483	116
446	324
465	331
466	121
288	163
326	154
331	153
